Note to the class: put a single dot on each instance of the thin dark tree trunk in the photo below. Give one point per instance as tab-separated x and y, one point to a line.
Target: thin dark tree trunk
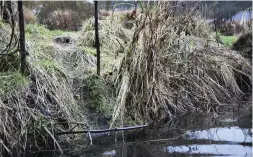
5	11
22	37
97	37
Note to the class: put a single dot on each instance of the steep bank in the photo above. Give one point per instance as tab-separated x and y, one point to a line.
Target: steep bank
59	89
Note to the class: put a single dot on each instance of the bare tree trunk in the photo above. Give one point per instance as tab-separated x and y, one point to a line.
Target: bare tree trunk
22	37
97	37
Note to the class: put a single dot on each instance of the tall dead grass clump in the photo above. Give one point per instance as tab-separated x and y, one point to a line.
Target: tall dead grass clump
171	68
244	44
112	36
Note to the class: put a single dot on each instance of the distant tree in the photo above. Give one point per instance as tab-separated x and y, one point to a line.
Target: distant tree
226	9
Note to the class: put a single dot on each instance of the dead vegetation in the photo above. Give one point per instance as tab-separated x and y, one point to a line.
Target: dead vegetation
29	16
244	44
169	64
166	71
63	20
44	101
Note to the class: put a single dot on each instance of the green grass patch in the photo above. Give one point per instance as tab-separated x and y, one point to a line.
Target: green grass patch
228	40
11	82
56	32
36	29
89	50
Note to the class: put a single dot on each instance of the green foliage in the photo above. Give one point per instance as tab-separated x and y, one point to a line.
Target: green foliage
36	29
56	32
98	93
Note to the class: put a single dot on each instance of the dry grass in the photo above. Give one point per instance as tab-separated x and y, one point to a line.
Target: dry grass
35	106
244	44
113	41
171	65
112	35
165	72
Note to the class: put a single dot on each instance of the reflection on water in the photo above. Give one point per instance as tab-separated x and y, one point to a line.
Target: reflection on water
233	134
192	135
212	149
221	141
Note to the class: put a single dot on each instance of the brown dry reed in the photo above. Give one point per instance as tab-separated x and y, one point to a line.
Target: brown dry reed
174	65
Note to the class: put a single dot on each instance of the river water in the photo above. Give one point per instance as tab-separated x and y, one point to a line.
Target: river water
188	135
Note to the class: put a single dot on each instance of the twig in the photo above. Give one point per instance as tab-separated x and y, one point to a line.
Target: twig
52	136
74	127
100	131
90	138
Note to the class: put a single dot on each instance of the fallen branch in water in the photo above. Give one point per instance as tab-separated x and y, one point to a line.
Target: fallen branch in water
100	131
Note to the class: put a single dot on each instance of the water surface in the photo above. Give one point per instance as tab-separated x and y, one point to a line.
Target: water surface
188	135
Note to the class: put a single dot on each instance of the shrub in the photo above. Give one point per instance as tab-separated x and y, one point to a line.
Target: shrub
74	12
29	16
63	19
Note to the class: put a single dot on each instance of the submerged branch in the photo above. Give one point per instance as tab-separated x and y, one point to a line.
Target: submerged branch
100	131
